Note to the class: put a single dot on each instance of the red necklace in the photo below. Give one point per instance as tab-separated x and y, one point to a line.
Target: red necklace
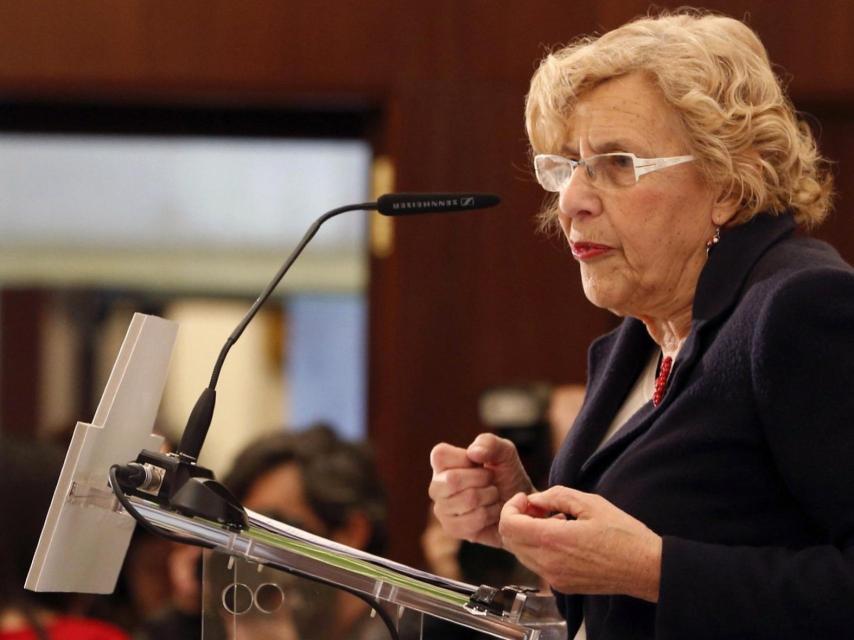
661	380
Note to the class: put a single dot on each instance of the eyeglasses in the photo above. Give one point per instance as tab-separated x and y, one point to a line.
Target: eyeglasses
604	170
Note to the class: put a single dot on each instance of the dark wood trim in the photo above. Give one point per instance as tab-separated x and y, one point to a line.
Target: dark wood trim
20	365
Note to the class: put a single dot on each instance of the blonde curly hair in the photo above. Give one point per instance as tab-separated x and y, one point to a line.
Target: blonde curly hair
714	71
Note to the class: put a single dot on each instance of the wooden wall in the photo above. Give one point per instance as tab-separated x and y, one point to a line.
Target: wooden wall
462	302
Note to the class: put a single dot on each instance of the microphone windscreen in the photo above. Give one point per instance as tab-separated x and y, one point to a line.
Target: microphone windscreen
401	204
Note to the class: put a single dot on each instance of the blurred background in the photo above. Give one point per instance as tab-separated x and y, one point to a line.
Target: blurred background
165	157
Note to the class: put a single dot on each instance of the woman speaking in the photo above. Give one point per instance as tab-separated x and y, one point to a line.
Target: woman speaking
706	490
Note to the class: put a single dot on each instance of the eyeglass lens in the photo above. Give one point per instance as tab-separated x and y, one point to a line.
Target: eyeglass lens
615	170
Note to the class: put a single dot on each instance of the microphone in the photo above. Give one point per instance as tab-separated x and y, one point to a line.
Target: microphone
390	204
401	204
175	480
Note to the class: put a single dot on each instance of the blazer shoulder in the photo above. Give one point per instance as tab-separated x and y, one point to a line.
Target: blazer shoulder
796	258
799	276
802	334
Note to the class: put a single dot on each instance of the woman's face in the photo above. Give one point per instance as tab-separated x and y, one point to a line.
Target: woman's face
641	248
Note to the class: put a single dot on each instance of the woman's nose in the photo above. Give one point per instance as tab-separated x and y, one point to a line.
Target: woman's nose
578	197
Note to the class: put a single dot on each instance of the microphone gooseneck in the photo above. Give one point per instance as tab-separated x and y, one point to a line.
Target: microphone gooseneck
392	204
253	310
200	418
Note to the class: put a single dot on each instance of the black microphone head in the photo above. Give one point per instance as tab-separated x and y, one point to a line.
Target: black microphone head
401	204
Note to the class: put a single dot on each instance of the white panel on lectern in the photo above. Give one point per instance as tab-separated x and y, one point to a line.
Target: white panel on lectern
85	536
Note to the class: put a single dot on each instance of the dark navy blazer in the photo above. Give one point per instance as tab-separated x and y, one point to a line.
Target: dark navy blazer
747	467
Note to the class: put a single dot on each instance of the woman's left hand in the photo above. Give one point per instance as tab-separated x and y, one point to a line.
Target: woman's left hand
588	546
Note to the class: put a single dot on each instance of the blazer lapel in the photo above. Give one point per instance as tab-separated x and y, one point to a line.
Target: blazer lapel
624	351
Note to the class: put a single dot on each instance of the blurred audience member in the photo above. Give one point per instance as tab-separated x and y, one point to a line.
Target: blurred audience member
441	551
564	405
315	481
327	486
180	616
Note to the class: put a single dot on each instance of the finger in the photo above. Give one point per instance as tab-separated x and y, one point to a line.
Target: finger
515	507
514	526
466	501
488	448
452	481
564	500
446	456
522	533
538	512
475	524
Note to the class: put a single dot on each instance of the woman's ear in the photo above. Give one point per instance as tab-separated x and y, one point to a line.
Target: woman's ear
355	532
725	208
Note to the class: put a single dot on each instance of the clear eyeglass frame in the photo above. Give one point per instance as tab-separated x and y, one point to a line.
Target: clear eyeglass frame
620	169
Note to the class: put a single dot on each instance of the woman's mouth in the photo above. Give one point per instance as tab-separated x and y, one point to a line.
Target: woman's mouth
588	250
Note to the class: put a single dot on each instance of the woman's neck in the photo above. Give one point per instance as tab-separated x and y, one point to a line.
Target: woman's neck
669	333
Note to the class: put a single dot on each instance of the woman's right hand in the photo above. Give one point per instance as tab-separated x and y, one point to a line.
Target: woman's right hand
470	486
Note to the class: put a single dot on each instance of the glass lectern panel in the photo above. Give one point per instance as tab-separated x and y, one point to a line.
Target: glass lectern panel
248	601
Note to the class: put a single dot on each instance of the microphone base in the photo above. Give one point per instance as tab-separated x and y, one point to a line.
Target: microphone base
179	484
209	499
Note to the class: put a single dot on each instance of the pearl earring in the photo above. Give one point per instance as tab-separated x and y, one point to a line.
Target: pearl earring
713	240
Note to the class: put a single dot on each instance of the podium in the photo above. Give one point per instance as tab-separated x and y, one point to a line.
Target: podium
406	594
87	531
